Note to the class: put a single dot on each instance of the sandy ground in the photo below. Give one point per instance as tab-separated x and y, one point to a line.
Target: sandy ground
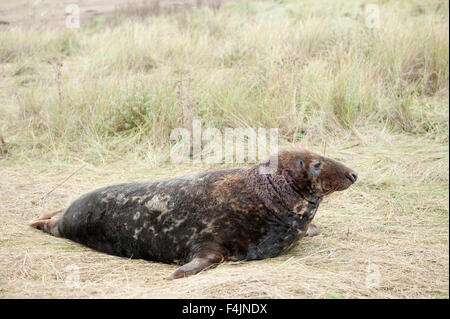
385	237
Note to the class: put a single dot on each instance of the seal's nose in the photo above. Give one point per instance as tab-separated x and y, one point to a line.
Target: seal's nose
352	176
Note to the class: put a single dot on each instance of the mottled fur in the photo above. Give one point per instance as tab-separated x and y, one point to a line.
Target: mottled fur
205	219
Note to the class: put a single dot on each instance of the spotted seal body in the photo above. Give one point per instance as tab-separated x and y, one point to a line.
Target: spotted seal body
204	219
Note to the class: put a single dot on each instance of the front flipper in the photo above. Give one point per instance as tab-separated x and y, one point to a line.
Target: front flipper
312	230
201	261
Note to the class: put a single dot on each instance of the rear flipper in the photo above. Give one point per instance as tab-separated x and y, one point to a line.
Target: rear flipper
48	222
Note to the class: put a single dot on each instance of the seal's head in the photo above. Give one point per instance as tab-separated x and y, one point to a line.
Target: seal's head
314	175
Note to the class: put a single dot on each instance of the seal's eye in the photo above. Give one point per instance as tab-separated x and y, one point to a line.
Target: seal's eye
315	169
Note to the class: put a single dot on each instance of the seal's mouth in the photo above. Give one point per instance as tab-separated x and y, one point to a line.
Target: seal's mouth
341	184
350	179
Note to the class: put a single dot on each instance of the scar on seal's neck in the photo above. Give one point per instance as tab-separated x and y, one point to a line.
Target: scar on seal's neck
279	193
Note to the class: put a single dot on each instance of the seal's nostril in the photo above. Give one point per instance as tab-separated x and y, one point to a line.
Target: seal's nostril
352	176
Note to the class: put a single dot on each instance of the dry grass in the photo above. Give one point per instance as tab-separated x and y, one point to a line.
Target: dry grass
106	97
115	88
395	216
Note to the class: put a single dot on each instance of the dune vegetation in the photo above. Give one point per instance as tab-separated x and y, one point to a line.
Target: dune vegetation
84	108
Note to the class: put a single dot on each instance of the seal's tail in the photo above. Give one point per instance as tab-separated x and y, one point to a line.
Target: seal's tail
48	222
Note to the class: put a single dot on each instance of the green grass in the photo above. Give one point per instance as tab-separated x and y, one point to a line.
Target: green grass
304	67
101	102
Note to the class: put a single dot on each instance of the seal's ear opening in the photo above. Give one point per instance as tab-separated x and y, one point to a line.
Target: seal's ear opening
300	163
315	168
